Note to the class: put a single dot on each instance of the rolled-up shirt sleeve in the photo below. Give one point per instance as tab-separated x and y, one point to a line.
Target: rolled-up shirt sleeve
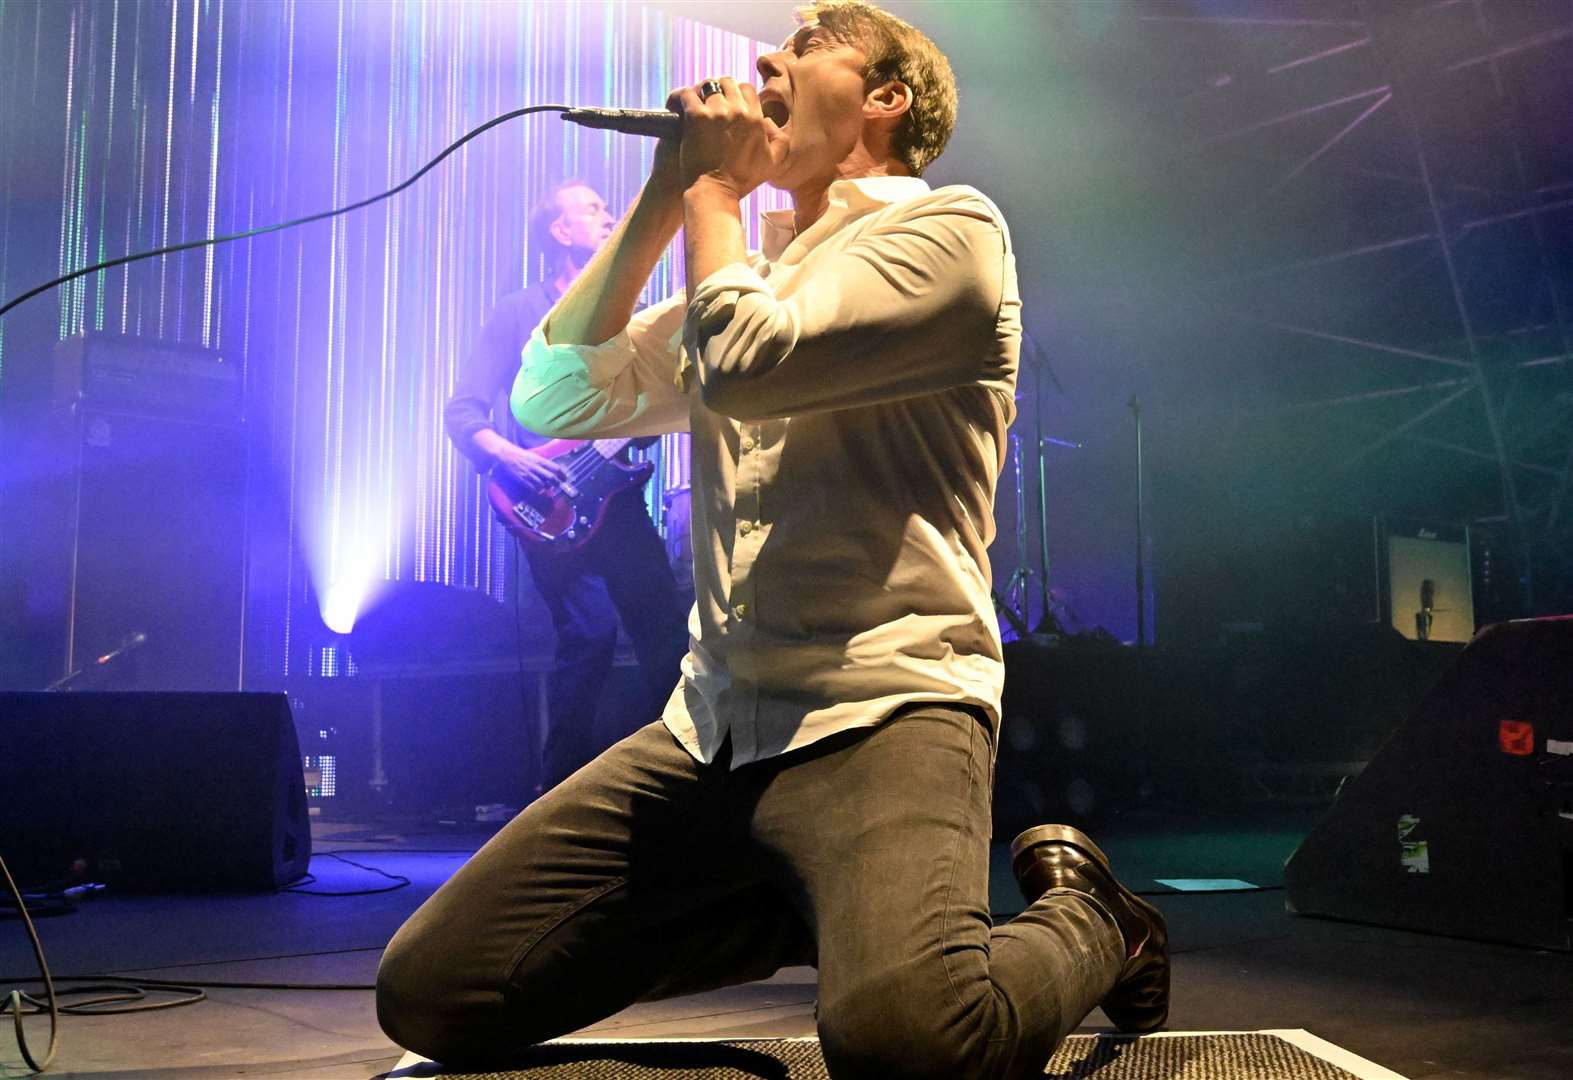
910	307
625	386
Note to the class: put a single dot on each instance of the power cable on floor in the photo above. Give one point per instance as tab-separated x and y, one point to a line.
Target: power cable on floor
399	880
137	986
399	851
116	997
132	974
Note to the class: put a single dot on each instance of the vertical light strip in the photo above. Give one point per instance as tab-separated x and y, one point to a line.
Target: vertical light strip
169	150
79	286
333	354
390	283
196	26
290	422
101	281
66	223
81	228
208	306
139	167
9	72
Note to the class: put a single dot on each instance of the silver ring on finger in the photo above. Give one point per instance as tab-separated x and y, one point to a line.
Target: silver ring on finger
707	88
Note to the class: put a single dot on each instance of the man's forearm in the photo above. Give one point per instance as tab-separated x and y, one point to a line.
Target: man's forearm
488	442
598	305
712	230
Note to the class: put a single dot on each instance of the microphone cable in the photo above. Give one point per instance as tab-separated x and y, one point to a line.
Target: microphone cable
15	999
264	229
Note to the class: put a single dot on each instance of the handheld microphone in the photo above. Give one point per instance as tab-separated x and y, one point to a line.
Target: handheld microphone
655	123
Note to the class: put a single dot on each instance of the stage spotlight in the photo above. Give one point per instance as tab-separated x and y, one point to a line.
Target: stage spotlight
341	604
352	586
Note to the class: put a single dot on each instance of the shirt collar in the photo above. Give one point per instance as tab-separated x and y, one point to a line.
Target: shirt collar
848	199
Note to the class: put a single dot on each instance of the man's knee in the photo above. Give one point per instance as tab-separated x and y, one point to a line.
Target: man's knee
406	1001
424	1001
877	1035
433	1001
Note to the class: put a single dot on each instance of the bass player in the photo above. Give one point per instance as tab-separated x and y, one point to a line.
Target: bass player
621	571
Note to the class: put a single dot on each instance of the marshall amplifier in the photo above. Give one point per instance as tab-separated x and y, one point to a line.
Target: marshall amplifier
1425	586
117	373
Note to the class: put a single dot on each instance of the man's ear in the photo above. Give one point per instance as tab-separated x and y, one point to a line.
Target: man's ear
559	231
889	101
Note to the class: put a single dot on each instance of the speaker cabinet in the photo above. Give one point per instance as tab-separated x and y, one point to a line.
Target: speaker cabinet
1463	822
157	549
1325	571
1427	590
153	791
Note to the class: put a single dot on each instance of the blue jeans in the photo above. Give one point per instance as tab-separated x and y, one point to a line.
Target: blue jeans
648	875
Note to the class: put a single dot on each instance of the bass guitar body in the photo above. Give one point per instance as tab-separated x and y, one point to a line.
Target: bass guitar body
563	517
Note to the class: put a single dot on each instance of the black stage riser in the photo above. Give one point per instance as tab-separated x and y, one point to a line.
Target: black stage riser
153	791
1463	823
1093	730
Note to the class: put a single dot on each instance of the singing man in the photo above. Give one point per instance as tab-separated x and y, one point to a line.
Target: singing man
818	789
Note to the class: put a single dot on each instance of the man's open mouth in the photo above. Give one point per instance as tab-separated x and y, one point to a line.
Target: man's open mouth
776	111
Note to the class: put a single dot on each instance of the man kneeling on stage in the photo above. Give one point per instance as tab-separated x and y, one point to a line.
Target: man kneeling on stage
818	789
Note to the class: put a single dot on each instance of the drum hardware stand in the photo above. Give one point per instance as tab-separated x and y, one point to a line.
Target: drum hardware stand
1014	601
1135	405
1145	788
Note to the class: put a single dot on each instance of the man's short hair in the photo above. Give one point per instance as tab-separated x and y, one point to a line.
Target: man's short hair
546	252
897	50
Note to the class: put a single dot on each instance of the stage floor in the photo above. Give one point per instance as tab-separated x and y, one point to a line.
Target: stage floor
1423	1007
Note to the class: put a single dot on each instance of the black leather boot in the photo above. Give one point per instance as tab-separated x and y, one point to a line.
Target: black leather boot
1059	856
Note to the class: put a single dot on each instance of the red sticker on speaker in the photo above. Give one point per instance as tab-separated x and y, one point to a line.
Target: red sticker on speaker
1516	737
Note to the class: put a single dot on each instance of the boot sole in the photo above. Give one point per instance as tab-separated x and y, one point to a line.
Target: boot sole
1154	984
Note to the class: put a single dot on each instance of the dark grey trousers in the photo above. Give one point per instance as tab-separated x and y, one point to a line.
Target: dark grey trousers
647	875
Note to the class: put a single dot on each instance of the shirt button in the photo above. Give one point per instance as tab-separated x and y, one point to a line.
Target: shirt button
741	611
746	527
748	443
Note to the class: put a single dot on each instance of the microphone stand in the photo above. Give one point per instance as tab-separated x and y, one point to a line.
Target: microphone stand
1135	405
1046	620
1041	367
1146	667
99	664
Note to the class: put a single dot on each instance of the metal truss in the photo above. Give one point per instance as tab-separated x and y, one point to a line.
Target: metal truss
1453	335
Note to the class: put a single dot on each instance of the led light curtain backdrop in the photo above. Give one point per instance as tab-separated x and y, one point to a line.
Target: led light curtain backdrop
129	125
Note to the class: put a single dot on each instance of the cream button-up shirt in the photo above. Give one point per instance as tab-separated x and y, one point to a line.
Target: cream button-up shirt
848	393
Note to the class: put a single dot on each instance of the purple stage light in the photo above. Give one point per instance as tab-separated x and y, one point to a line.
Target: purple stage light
347	582
183	120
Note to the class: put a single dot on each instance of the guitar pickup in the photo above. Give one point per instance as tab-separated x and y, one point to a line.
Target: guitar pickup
529	514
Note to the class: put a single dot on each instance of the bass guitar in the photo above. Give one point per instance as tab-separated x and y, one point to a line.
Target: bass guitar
564	516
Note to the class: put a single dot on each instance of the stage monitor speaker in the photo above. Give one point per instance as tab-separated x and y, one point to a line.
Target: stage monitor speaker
1463	822
153	791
